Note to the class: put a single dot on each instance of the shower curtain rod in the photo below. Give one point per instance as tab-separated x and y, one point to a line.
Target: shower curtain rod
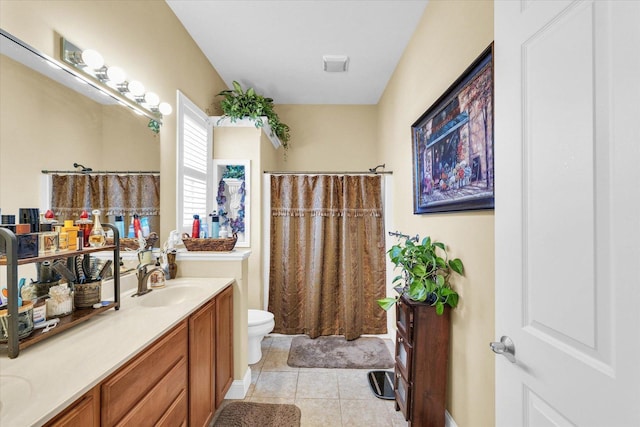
44	171
328	172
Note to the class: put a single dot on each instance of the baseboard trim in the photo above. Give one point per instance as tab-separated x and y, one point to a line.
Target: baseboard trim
448	420
239	388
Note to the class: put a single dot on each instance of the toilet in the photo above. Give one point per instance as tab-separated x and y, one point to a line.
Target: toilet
260	324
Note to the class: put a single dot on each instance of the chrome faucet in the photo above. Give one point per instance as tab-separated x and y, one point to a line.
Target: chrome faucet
143	276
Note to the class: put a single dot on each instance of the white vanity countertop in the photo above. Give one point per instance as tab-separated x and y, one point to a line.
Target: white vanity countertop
47	377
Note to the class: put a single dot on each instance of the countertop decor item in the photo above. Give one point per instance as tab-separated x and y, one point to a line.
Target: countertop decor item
425	273
238	103
201	244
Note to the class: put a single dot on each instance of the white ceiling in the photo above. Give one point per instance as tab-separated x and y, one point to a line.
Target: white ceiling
277	46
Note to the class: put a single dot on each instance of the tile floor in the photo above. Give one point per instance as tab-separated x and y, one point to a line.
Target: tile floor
326	397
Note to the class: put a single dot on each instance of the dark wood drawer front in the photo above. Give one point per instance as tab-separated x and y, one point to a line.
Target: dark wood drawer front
404	356
404	320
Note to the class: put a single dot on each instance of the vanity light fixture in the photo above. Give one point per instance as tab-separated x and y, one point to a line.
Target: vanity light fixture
112	80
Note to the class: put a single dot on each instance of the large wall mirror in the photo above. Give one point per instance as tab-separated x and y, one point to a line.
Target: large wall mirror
49	120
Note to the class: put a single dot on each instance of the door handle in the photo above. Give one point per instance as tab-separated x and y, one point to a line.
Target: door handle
505	347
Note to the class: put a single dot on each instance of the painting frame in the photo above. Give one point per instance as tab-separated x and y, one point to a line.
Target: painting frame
234	218
452	144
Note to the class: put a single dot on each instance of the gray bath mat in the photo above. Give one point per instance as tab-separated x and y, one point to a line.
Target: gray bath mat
249	414
337	352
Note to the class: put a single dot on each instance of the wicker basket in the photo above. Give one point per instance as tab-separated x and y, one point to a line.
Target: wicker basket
216	245
86	294
130	243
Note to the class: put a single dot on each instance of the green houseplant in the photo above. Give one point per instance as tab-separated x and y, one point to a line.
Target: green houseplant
238	104
425	274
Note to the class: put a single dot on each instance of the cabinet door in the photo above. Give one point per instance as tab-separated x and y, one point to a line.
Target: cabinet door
201	365
404	320
224	343
84	412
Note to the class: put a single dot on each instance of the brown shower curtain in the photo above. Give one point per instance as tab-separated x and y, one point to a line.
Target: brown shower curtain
327	255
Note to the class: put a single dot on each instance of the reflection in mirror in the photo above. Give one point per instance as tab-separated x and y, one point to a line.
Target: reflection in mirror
48	125
233	197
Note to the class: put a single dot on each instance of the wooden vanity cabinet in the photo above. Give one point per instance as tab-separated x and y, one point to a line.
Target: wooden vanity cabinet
84	412
202	327
224	344
421	357
210	357
148	389
179	380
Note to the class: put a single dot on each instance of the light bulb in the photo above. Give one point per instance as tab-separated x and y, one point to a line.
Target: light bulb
93	59
151	98
116	75
136	88
165	108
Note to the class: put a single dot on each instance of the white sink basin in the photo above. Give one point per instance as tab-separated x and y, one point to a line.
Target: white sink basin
171	295
20	389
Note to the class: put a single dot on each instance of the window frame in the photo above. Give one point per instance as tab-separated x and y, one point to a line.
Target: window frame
186	107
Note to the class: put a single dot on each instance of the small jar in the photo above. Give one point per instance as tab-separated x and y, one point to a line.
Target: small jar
39	310
60	302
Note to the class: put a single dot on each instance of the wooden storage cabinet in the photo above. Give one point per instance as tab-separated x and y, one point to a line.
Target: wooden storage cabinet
210	357
84	412
179	380
148	387
421	357
224	344
202	357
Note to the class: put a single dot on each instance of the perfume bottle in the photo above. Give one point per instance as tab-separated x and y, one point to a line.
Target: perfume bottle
96	236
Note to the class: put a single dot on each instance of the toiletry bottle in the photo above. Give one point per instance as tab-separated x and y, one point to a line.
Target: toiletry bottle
204	229
63	238
156	279
120	225
214	225
131	234
195	229
144	224
85	225
97	236
137	227
72	234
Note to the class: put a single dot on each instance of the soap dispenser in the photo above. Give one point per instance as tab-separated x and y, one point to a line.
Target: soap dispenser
156	279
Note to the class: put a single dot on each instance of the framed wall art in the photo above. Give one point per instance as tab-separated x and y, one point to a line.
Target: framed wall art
232	178
453	145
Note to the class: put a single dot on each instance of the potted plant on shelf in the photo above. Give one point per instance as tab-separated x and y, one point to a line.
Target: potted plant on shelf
425	274
238	104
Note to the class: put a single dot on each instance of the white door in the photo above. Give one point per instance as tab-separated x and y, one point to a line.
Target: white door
567	216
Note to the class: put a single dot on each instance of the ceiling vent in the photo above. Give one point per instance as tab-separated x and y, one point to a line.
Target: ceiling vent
335	63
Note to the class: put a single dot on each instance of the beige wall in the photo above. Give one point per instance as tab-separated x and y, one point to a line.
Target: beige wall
330	137
249	143
449	37
152	45
148	41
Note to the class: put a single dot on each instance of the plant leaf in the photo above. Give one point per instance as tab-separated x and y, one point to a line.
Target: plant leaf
456	265
440	245
387	303
439	308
